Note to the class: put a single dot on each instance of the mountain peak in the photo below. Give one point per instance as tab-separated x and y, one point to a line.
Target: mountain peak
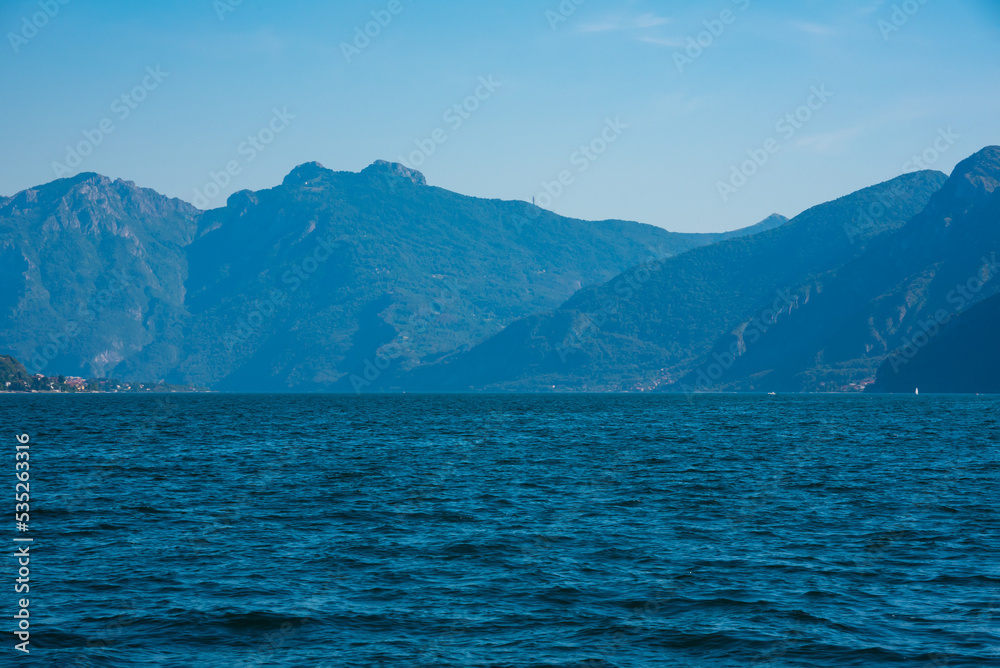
981	170
772	221
395	171
304	173
90	178
58	189
242	198
974	181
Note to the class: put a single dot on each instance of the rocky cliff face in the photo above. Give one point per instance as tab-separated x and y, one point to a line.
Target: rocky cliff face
959	355
93	272
393	173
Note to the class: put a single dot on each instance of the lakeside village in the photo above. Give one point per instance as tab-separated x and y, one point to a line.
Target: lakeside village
14	377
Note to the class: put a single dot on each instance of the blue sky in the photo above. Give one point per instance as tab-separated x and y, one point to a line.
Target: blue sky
665	122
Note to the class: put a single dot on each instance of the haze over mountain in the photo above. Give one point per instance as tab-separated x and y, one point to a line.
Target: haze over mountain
92	274
942	262
293	287
814	305
375	281
963	356
654	325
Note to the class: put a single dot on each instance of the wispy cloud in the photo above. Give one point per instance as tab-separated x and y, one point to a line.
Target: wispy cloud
833	142
651	21
619	23
814	28
871	8
902	112
669	43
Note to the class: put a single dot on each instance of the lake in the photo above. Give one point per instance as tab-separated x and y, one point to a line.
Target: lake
509	531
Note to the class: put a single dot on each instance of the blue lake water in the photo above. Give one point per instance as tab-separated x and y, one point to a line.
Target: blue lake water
514	531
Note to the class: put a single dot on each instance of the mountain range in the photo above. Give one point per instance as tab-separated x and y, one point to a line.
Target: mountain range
814	305
376	281
298	287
